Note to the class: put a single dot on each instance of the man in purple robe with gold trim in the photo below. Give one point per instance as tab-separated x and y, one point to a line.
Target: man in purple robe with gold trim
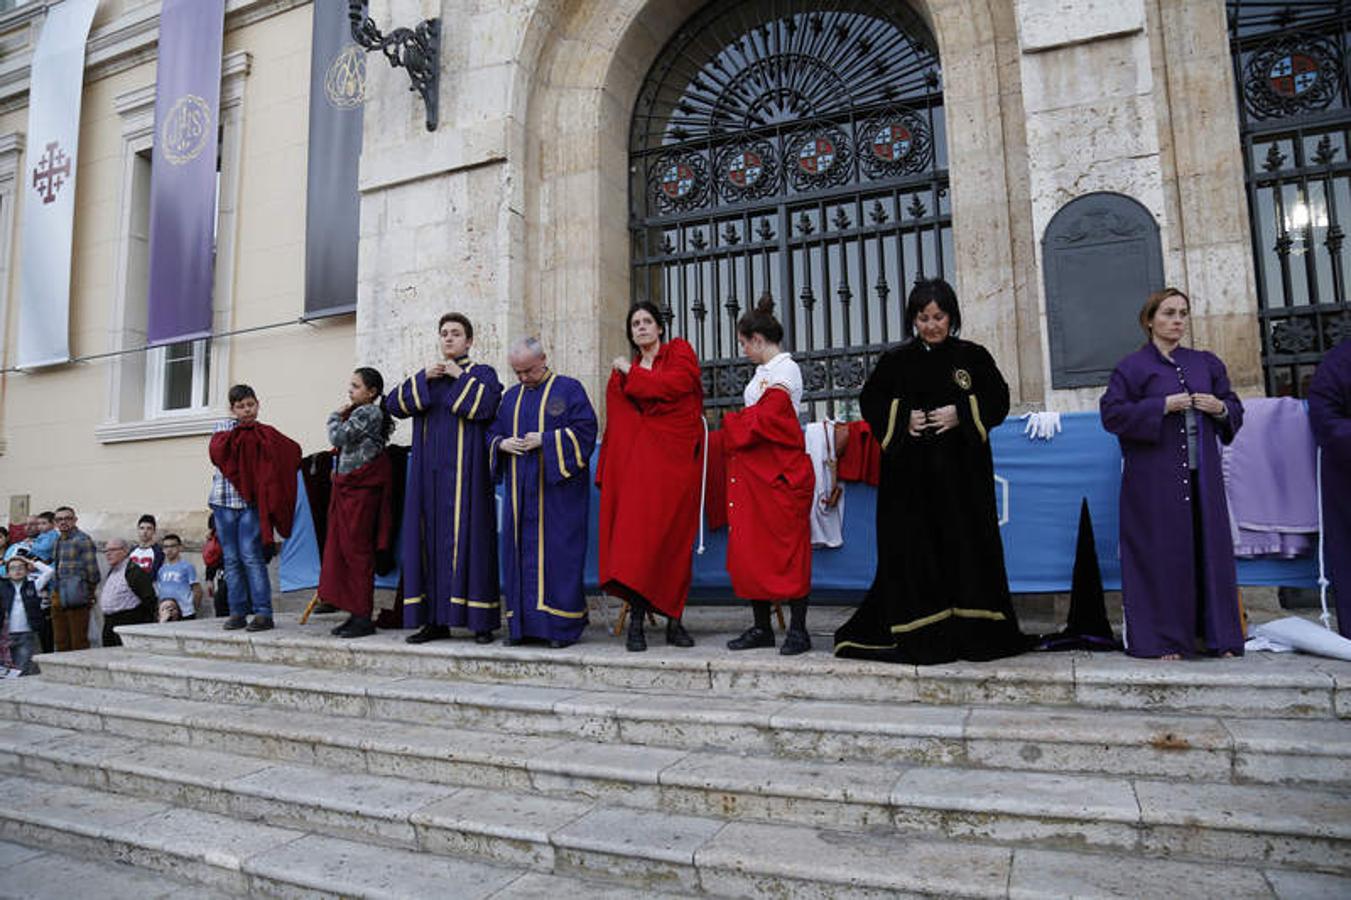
449	522
1330	416
540	446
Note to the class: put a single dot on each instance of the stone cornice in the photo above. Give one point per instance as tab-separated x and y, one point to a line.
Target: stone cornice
122	44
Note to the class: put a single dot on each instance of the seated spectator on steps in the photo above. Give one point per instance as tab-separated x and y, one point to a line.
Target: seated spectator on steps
128	594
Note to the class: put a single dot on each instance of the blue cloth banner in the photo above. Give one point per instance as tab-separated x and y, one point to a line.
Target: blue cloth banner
1039	487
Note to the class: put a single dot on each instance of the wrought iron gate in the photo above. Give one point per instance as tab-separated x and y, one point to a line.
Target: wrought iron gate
1290	66
794	146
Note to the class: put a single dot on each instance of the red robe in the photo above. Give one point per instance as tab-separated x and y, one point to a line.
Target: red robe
649	473
261	463
360	524
770	483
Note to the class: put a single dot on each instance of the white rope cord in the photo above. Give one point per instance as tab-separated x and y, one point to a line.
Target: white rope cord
703	488
1323	582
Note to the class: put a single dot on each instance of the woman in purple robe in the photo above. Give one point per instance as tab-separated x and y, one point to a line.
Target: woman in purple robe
1170	406
1330	416
449	546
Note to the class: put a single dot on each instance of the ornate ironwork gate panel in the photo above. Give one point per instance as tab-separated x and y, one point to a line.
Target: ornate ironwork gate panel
795	147
1295	114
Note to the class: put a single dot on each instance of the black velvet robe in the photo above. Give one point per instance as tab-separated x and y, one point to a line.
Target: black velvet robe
941	592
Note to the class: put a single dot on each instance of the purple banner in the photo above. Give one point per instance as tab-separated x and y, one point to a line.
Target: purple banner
183	170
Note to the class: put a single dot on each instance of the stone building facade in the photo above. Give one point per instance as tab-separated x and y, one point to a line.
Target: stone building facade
517	208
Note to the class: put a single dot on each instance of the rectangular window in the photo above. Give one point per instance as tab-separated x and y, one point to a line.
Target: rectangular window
179	378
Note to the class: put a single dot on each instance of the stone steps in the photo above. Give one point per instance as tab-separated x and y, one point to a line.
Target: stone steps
1042	739
1250	687
1283	826
33	872
251	826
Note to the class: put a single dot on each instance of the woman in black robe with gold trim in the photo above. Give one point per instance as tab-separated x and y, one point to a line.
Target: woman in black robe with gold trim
941	592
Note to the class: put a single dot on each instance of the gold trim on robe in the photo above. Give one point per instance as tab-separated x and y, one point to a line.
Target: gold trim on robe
975	417
891	422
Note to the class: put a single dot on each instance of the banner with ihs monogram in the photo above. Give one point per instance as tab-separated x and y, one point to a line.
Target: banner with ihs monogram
48	182
332	204
183	170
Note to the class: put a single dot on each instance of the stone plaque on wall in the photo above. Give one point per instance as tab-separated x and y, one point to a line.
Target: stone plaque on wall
1102	257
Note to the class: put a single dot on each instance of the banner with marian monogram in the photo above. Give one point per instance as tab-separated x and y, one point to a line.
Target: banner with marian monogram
332	210
183	170
55	90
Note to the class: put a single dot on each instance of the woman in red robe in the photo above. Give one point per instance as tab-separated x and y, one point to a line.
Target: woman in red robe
770	483
650	475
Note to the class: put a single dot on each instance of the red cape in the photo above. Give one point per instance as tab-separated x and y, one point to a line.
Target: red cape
861	459
360	524
261	463
649	473
770	484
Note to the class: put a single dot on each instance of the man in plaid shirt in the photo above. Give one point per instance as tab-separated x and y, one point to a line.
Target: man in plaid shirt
77	577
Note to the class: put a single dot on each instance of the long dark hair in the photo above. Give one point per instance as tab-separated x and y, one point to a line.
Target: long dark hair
933	290
650	308
760	320
375	381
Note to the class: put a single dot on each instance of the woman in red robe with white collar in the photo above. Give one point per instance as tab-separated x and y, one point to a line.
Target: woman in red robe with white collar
650	475
770	483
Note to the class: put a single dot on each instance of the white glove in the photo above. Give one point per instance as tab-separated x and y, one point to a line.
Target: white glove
1041	425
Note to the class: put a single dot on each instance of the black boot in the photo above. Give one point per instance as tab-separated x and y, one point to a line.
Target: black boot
357	626
751	638
796	640
428	633
637	641
339	629
676	635
483	637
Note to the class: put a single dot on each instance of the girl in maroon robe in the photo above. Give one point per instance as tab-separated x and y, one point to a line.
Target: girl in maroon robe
1171	407
770	483
650	474
360	506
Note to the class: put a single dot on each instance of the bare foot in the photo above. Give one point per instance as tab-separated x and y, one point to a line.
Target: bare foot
1171	656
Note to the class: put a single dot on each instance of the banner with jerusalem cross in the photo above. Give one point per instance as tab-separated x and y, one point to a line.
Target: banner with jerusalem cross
48	184
332	203
183	170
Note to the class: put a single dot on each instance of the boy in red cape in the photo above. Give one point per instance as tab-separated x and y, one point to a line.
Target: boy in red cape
253	494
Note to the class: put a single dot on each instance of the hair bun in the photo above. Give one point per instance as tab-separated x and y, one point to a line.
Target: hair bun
765	304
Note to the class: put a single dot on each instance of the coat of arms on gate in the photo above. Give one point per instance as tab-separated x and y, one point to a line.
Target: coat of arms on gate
186	129
1291	74
822	157
747	170
678	182
51	172
898	143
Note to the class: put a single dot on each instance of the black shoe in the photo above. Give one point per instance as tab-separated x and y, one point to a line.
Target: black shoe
559	645
339	629
483	637
323	608
357	627
637	641
428	633
676	635
510	641
234	623
752	638
260	623
794	642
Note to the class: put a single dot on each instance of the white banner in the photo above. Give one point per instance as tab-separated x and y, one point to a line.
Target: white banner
48	209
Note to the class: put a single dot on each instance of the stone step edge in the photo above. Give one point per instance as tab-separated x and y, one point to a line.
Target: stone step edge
881	808
1175	733
217	866
707	862
1167	687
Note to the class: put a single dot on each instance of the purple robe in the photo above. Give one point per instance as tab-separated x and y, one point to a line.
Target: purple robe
1330	416
450	573
546	507
1167	601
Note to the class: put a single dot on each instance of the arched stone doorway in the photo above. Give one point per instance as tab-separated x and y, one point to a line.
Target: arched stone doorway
583	65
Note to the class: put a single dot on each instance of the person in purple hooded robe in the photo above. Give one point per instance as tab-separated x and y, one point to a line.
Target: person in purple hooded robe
450	576
1170	406
1330	416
